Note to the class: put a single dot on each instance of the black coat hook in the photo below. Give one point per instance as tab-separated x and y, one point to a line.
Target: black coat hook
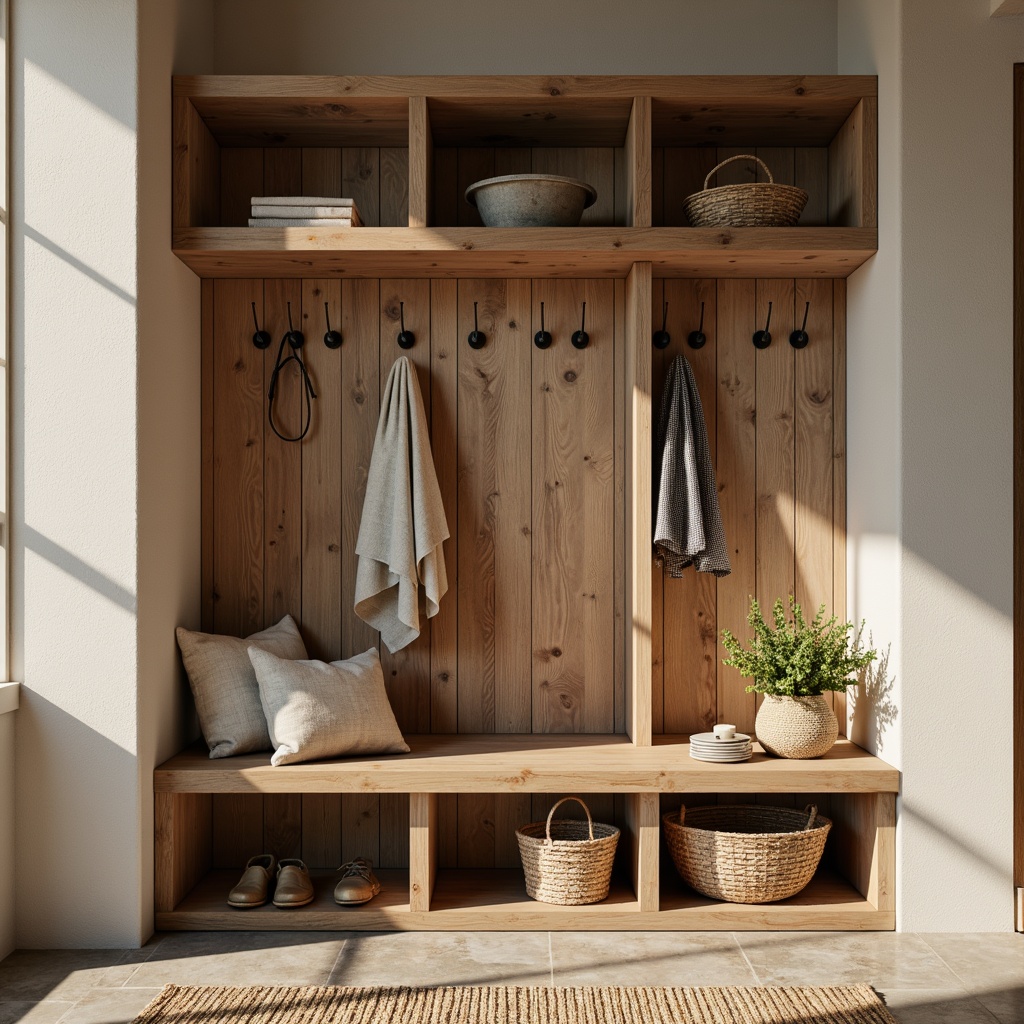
261	339
799	339
332	339
762	339
580	338
542	339
295	338
662	338
406	339
697	338
477	338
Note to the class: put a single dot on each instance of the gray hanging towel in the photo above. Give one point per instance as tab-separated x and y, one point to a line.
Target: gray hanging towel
687	520
400	574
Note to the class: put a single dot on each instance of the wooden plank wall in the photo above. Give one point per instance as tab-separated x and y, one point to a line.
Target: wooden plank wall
530	467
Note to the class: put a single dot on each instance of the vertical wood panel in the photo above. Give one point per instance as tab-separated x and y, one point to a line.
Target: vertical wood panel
208	404
444	433
494	515
422	849
839	469
775	472
394	187
594	165
736	481
619	576
684	173
360	180
237	828
814	449
690	633
321	172
643	823
321	830
238	460
659	362
360	827
394	830
638	164
282	172
421	163
810	172
407	672
637	564
573	495
446	187
474	163
241	178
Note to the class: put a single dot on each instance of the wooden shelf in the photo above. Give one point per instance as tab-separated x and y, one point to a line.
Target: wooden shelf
524	252
535	764
492	900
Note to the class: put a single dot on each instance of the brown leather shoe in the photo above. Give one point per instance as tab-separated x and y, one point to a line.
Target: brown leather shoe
358	883
251	890
294	886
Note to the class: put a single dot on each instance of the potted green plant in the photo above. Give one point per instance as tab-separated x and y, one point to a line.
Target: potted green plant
794	663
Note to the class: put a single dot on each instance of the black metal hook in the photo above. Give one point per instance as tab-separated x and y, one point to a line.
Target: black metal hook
261	339
542	339
406	339
295	338
697	338
799	339
662	338
332	339
477	338
762	339
580	338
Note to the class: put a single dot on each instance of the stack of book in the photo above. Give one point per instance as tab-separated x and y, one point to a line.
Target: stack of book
303	212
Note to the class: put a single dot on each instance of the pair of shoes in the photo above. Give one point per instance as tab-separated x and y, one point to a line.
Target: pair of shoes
294	887
358	883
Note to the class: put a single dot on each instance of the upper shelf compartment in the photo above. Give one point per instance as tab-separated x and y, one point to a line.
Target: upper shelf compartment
406	148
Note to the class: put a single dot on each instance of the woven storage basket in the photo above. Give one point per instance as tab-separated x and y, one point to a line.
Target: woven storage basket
757	204
567	862
746	854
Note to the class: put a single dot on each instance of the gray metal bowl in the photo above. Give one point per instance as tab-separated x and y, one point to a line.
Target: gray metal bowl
531	200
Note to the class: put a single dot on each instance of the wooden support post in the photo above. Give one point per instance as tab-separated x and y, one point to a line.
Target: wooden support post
422	849
421	163
864	844
638	504
638	164
645	832
196	169
853	169
182	847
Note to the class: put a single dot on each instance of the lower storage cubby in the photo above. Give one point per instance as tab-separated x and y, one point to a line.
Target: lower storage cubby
441	889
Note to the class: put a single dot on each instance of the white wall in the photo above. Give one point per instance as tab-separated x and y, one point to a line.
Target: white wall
930	357
569	37
105	458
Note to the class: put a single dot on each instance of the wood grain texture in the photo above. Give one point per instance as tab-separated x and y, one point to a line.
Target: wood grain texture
643	824
421	163
495	535
422	849
619	556
638	417
394	186
638	164
839	472
538	763
182	848
594	165
208	403
524	252
361	180
444	431
321	830
241	178
689	603
736	441
864	845
238	460
573	516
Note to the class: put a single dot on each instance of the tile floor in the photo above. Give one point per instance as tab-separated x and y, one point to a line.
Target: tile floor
925	978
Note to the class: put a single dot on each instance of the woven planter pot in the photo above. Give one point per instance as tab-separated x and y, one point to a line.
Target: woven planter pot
568	862
798	727
746	854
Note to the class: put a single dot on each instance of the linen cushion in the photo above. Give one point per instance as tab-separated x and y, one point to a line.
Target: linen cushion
315	709
224	684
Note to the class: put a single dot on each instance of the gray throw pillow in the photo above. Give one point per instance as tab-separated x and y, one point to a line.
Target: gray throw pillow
224	684
316	710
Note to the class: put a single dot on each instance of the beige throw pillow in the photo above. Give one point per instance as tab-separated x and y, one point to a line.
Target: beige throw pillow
316	710
224	684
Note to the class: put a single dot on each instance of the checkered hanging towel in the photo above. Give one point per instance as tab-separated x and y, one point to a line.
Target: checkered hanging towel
687	521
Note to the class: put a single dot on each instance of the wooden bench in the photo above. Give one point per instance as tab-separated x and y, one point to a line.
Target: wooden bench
855	891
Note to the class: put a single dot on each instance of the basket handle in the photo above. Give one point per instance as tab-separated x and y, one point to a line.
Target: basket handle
811	810
742	156
566	799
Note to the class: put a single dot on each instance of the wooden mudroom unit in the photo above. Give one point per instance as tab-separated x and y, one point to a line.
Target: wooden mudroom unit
561	660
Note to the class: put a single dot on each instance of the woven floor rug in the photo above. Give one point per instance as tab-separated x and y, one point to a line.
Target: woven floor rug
846	1004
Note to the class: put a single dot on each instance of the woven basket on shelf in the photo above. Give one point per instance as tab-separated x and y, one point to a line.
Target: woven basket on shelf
567	862
746	853
757	204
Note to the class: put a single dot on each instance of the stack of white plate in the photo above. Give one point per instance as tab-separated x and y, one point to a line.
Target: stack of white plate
705	747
